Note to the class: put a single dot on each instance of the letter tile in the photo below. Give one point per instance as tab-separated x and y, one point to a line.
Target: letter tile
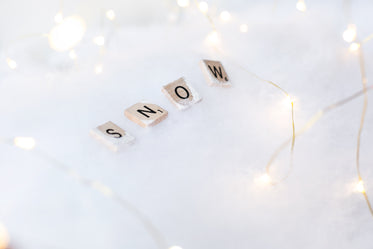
181	94
145	114
112	136
214	73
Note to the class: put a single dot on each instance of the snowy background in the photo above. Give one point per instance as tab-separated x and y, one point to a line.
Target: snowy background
193	174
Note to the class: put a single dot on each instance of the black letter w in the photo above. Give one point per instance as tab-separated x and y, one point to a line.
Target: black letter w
215	72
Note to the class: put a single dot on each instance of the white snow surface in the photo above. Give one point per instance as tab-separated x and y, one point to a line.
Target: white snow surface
194	173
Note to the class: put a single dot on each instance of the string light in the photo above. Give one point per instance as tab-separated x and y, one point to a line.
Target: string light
354	46
360	187
11	63
225	16
289	99
99	40
110	14
362	120
183	3
72	54
264	179
301	6
58	18
26	143
349	35
106	191
101	188
213	38
4	237
67	34
99	68
203	7
244	28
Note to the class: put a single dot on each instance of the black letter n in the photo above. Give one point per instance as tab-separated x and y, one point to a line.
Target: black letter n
143	112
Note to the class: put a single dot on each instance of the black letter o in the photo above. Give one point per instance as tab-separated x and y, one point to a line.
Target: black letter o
187	96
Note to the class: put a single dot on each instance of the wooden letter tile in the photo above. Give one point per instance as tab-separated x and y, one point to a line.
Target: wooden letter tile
112	136
181	94
145	114
214	73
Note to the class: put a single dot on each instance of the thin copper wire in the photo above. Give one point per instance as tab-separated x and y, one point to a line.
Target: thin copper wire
151	229
269	164
271	83
316	117
362	119
106	191
368	38
209	18
365	105
292	140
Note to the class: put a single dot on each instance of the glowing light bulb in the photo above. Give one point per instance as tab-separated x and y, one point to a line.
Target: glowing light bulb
183	3
203	7
354	46
99	68
213	38
72	54
360	187
289	99
264	179
225	16
301	6
175	247
26	143
99	40
110	14
4	237
349	35
244	28
11	63
67	34
287	102
58	18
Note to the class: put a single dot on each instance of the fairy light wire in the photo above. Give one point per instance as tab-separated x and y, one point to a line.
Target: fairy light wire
103	189
316	117
364	110
209	18
148	225
270	163
361	126
368	38
287	95
359	48
319	114
152	230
